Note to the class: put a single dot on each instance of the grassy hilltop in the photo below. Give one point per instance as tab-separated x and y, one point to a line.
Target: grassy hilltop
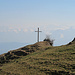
39	59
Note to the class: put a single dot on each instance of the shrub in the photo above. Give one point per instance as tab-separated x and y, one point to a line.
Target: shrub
51	41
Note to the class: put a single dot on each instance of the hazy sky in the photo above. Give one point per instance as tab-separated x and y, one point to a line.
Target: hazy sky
27	15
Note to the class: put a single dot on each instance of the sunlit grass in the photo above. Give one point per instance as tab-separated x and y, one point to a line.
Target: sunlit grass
46	60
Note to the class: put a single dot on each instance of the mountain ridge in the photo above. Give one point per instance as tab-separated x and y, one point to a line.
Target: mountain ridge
23	51
40	58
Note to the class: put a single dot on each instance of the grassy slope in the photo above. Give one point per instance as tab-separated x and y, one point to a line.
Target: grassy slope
45	61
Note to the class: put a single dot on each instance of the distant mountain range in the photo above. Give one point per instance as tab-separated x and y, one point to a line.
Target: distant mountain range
63	37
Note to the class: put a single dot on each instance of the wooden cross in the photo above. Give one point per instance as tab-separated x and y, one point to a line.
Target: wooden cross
38	35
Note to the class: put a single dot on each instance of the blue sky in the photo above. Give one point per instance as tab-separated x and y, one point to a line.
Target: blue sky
19	17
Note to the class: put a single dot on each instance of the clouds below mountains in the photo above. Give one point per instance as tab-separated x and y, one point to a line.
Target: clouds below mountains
13	39
61	36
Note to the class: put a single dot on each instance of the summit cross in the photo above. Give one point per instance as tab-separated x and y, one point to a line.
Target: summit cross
38	35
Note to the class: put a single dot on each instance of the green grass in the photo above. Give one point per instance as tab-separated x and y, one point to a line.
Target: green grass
45	61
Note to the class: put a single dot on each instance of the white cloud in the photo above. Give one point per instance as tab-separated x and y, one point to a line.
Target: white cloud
25	30
19	29
10	28
53	27
46	28
61	36
31	30
15	31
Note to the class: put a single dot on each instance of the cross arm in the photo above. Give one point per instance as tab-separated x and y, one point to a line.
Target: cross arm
37	31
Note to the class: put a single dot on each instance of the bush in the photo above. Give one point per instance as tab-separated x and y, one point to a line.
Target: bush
51	41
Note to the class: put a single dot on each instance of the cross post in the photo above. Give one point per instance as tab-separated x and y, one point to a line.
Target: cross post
38	35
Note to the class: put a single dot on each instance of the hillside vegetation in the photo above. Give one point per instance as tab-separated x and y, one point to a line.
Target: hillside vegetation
39	59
